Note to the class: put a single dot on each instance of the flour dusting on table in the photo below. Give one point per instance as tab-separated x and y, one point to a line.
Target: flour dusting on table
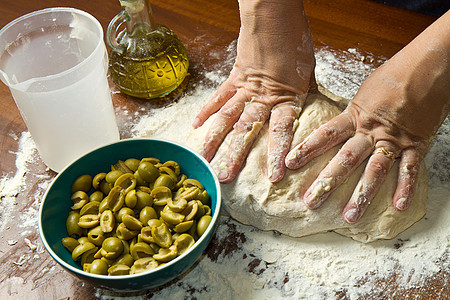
245	263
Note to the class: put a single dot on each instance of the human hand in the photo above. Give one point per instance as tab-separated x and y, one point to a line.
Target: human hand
270	79
395	113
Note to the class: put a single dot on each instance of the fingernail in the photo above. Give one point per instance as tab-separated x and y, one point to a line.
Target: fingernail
402	203
196	123
351	216
223	175
292	159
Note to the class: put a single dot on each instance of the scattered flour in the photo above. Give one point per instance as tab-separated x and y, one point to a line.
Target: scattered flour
246	263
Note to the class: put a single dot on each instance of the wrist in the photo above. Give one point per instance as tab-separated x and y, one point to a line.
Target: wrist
279	17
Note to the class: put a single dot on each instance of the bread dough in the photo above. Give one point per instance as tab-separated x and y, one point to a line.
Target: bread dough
253	200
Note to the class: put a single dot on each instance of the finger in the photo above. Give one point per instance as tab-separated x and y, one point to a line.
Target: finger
334	132
245	133
407	178
223	123
375	173
221	96
349	157
281	133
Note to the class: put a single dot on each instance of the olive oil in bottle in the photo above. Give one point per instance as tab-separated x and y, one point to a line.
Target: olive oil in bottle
147	60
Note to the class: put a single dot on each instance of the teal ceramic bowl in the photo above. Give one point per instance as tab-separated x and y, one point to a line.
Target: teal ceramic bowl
56	206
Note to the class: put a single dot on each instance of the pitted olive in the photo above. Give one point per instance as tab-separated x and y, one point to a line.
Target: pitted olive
99	267
117	270
148	171
82	183
112	176
79	199
112	248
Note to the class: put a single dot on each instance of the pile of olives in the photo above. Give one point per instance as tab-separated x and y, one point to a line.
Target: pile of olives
138	216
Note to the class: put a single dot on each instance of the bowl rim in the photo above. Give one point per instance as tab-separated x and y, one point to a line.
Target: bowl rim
210	228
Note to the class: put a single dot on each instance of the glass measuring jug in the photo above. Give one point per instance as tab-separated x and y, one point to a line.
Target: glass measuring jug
54	62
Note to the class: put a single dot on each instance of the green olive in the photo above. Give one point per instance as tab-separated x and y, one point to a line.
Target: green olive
191	210
122	212
98	179
154	222
124	259
120	165
88	256
143	264
189	193
90	208
173	165
95	236
184	242
144	188
116	198
118	269
131	222
126	181
103	205
192	182
170	172
164	180
131	199
171	217
83	240
148	171
69	243
183	226
105	187
143	199
139	180
89	221
203	197
207	210
162	235
73	230
79	199
161	194
80	249
132	164
112	248
99	267
203	224
107	221
96	196
146	234
153	160
82	183
125	233
140	250
166	254
147	213
201	209
180	181
177	205
112	176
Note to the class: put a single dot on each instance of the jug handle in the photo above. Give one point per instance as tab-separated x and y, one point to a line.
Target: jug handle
113	27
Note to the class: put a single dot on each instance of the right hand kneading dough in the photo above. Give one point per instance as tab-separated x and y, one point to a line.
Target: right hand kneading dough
253	200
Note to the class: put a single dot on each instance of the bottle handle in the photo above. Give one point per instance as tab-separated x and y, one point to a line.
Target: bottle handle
113	27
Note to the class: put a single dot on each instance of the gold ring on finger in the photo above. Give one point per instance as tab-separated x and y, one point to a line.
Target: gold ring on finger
389	154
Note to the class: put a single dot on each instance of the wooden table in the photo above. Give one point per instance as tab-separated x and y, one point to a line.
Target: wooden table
341	24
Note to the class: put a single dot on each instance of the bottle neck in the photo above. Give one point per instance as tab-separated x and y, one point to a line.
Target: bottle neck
140	13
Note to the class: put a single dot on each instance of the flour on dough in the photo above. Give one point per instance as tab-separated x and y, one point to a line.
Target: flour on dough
254	200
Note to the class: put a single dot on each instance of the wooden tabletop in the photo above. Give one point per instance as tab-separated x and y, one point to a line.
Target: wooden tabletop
341	24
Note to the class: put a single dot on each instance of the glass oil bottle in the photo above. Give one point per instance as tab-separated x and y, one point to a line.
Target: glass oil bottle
147	60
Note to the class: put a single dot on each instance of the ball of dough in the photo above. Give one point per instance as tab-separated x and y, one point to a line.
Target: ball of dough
253	200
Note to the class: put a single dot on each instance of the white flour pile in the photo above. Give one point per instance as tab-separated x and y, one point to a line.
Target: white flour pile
245	263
